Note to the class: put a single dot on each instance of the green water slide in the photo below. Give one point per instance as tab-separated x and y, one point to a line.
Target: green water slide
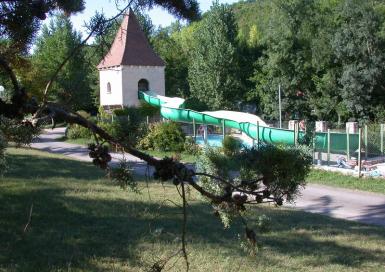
173	109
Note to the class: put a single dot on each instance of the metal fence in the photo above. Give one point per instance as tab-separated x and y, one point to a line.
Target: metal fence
360	151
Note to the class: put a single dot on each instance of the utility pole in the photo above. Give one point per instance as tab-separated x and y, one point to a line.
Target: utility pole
279	106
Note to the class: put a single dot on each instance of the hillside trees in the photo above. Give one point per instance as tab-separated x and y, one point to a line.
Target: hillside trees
286	60
361	53
326	55
214	67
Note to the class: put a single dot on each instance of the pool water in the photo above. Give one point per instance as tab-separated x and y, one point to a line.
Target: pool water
214	140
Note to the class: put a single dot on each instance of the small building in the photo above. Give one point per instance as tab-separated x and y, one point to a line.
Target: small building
130	65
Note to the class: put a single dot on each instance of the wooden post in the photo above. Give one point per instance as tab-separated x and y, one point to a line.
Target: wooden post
366	142
147	120
328	154
347	144
359	152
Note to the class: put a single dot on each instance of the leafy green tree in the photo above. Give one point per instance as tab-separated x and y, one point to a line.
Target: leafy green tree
286	60
214	68
177	62
360	51
56	42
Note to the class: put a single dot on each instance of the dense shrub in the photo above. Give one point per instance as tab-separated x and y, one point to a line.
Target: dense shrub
166	136
231	146
75	131
191	147
146	109
128	125
125	124
19	133
283	170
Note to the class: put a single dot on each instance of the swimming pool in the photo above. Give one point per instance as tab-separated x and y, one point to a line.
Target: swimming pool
214	140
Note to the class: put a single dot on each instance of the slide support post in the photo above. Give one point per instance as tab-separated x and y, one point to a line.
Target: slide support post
223	129
280	106
205	133
194	131
258	135
328	154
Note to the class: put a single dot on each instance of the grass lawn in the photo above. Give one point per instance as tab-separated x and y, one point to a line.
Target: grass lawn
376	185
80	141
82	222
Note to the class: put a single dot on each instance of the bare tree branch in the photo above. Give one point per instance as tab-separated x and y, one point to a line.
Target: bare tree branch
184	226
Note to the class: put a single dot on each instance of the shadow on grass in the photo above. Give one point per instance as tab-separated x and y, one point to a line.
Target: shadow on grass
78	223
28	167
73	230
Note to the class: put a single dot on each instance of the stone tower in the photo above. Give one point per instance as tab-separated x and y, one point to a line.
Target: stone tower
130	65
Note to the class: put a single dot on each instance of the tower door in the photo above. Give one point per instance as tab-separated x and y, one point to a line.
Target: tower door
143	85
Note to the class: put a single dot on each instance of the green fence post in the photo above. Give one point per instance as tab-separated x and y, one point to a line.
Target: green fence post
359	152
328	154
313	149
347	144
366	142
194	131
382	138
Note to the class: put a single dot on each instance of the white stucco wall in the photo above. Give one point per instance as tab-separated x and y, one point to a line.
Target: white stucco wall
114	77
131	76
124	83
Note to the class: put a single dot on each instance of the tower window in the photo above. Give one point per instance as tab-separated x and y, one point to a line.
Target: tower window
108	87
143	85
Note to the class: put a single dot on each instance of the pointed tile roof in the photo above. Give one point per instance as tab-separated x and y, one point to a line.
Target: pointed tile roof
130	46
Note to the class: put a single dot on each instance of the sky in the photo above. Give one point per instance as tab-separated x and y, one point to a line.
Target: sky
157	14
